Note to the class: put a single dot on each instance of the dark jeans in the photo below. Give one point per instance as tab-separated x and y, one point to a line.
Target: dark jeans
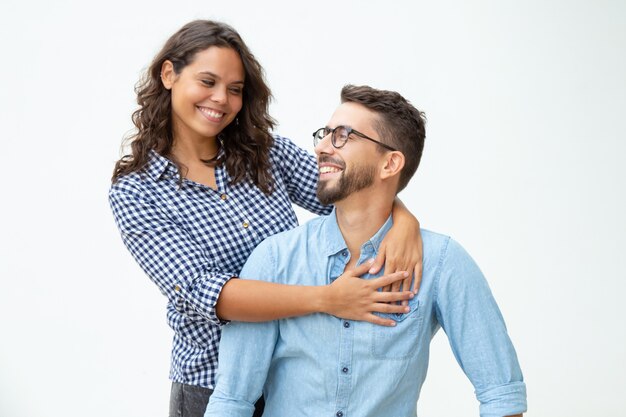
190	401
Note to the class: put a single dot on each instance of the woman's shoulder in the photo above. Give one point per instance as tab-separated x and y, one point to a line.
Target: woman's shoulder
128	187
138	181
286	151
281	144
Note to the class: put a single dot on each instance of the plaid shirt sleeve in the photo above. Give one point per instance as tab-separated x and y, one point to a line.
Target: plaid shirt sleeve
167	254
299	172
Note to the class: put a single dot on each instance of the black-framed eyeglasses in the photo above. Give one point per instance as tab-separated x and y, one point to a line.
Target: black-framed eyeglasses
339	136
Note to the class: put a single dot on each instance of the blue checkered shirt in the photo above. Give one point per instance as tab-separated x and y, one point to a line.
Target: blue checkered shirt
190	240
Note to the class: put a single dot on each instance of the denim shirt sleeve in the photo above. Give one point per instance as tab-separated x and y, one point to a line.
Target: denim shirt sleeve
298	169
246	351
167	254
469	315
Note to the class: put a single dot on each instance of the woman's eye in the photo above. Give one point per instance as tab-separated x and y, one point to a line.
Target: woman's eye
208	83
236	90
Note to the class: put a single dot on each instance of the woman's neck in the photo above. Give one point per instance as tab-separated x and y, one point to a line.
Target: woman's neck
189	151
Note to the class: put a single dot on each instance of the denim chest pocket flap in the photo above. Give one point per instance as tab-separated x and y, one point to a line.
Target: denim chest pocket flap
398	342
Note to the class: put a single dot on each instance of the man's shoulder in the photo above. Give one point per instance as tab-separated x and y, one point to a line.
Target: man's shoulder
449	260
293	236
441	249
286	251
434	243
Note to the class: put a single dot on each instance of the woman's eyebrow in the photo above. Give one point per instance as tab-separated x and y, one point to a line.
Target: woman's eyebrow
217	76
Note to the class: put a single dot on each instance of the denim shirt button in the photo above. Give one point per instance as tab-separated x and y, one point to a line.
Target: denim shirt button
344	370
344	253
346	324
339	414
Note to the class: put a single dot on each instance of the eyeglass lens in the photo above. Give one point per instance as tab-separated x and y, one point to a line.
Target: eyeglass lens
340	136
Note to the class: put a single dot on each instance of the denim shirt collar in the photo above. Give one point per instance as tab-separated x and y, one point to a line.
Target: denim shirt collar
331	235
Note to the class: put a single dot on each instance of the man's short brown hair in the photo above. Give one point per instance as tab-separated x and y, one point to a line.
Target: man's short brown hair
400	126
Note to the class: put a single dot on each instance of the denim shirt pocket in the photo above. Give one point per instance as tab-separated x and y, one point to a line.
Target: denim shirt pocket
398	342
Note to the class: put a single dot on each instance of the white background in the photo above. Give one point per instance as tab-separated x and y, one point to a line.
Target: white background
522	165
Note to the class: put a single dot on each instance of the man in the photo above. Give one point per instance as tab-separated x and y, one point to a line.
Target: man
319	365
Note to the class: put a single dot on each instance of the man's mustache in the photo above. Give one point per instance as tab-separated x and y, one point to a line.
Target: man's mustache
329	160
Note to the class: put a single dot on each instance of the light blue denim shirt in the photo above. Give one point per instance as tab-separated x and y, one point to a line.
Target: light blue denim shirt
320	365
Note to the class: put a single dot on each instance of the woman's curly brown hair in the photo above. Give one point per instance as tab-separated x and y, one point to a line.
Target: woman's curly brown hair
246	143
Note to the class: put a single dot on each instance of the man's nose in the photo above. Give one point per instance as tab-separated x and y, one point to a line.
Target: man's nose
325	145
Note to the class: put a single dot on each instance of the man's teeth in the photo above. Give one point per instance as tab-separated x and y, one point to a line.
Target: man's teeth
211	113
328	170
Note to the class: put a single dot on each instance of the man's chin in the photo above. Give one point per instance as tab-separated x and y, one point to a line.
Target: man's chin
325	194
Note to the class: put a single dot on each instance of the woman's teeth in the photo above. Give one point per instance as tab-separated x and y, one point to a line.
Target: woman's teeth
211	113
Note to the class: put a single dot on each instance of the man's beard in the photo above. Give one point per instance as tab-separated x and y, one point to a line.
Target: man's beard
356	179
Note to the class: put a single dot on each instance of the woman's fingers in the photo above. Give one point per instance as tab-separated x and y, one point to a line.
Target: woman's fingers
373	318
387	308
388	279
390	268
358	299
406	284
392	297
396	285
418	278
379	261
362	269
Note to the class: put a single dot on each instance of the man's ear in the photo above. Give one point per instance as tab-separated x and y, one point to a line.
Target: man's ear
392	164
168	75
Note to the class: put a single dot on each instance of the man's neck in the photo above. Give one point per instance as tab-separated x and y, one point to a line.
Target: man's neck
359	219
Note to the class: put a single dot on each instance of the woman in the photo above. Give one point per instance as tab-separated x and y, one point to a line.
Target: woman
205	183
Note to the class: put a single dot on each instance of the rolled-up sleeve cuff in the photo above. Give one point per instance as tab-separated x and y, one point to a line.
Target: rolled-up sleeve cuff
221	406
202	295
504	400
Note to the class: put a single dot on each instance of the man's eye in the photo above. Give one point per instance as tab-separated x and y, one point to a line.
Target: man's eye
342	134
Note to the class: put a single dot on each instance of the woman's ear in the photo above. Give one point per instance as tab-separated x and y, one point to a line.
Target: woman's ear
393	164
168	75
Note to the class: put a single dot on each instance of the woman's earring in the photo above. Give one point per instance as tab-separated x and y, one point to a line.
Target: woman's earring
236	121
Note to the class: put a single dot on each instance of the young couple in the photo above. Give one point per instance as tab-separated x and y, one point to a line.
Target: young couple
205	183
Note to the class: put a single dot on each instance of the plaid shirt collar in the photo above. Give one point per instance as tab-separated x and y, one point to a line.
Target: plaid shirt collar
158	165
